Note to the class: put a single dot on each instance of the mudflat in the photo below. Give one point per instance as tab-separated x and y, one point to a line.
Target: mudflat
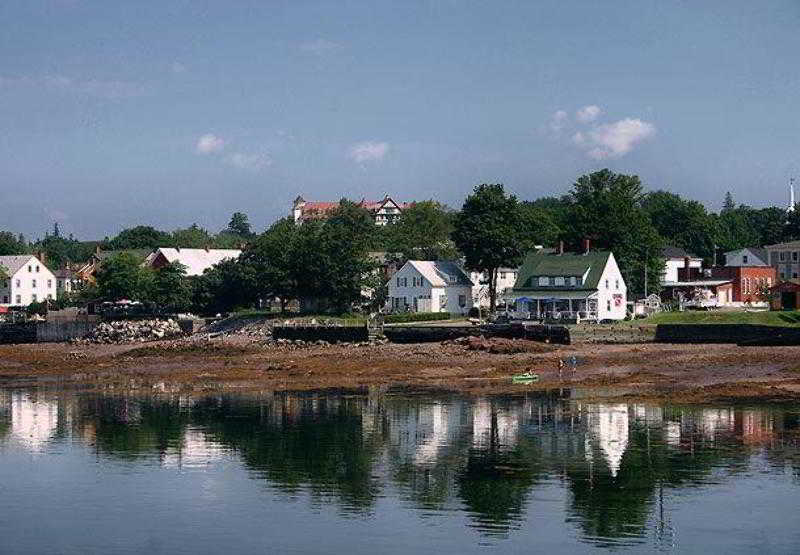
676	373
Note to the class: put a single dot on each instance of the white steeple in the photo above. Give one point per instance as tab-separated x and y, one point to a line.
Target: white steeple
791	195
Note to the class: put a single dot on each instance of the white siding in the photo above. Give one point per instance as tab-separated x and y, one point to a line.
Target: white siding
25	287
408	287
612	293
671	268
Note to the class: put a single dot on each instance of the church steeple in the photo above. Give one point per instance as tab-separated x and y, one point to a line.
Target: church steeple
791	195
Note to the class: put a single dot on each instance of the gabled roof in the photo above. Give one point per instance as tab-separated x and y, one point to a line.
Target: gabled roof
761	255
12	263
676	252
441	273
538	264
196	260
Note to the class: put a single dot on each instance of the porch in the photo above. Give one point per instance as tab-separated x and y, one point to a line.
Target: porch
568	309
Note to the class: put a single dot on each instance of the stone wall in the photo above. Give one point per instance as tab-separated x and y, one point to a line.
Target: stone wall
331	334
727	333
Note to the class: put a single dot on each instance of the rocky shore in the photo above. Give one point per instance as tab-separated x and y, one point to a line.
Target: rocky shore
250	361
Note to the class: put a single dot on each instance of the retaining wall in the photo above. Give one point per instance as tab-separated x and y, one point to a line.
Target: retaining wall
727	333
332	334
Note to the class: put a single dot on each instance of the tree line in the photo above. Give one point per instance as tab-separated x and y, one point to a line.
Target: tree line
331	263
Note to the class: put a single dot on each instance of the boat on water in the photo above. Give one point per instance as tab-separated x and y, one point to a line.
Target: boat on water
525	377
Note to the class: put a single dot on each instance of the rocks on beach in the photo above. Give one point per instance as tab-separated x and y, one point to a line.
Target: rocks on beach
133	331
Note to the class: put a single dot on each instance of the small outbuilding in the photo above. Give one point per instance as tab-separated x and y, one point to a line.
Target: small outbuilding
785	295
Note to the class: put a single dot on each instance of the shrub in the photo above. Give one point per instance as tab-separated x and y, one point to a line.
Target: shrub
415	317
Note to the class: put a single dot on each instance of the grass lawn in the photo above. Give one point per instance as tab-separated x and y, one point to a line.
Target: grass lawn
766	318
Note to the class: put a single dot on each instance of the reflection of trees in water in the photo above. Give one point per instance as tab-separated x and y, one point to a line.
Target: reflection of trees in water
130	427
485	455
299	443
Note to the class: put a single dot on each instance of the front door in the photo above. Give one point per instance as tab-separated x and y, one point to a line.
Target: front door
789	300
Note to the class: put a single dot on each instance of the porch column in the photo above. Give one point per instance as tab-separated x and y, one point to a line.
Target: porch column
570	306
538	308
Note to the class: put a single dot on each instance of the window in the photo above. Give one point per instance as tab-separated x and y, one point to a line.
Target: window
5	299
502	275
744	259
783	276
608	305
616	283
60	284
33	298
37	268
30	269
49	295
794	275
544	280
559	281
781	256
606	284
573	281
398	282
33	283
5	284
405	283
19	299
49	283
794	256
19	283
462	301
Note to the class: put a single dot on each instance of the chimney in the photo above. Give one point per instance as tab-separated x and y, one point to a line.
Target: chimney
561	247
587	244
42	257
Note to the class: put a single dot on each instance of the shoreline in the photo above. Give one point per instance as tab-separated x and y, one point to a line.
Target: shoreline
676	373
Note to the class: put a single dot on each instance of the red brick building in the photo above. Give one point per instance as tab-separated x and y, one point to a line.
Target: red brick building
748	281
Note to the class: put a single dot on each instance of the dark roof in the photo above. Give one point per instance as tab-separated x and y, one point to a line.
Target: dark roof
538	264
676	252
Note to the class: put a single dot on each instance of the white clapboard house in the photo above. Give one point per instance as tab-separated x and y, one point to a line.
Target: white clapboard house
24	279
430	286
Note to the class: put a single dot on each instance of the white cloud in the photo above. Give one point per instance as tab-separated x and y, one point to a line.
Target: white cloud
178	68
319	46
588	114
97	88
249	162
612	140
368	151
558	121
209	143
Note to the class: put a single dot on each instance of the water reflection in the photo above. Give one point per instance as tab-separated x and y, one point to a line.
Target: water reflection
483	457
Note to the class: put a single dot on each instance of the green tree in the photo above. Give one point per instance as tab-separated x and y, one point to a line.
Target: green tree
227	286
734	228
770	223
140	237
606	208
122	277
239	225
192	237
489	234
270	256
682	223
9	244
170	288
538	225
422	232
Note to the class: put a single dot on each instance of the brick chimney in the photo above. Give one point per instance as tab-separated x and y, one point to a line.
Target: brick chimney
587	245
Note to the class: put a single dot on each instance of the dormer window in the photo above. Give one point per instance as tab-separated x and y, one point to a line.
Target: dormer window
573	281
544	280
559	281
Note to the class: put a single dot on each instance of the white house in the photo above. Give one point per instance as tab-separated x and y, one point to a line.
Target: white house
585	286
674	258
196	261
427	286
506	278
25	280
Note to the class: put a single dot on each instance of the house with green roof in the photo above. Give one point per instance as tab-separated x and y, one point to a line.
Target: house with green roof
573	286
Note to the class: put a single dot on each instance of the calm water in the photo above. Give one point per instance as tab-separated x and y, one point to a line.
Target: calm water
393	472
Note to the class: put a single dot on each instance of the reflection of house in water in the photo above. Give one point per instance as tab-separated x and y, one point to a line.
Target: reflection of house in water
195	450
493	426
608	427
754	426
33	421
419	433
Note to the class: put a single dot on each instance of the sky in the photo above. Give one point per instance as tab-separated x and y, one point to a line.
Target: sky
169	113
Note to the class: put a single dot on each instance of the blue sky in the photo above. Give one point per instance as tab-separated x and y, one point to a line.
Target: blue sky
174	112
